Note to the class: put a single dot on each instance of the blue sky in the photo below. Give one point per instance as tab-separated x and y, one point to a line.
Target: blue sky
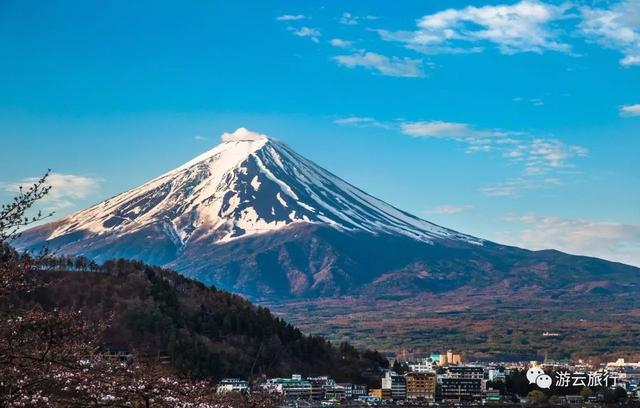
513	121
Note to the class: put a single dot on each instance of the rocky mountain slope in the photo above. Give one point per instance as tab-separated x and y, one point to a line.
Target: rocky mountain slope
254	217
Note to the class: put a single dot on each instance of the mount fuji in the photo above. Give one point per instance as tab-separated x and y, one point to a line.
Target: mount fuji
254	217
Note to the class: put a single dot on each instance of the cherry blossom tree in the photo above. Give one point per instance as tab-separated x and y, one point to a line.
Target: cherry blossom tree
53	357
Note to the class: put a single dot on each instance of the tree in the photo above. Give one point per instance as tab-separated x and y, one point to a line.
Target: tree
13	215
536	396
586	392
399	367
53	358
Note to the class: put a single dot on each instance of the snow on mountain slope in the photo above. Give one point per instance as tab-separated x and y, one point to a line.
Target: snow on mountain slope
247	185
254	217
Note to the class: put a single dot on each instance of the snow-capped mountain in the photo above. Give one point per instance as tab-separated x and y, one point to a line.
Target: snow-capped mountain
247	185
253	216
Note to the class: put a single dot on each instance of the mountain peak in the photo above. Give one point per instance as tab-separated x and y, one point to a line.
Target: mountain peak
246	186
243	135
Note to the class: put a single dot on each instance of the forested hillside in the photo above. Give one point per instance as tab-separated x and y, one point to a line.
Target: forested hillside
201	331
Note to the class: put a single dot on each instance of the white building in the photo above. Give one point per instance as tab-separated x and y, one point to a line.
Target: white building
233	385
621	363
498	373
425	365
291	388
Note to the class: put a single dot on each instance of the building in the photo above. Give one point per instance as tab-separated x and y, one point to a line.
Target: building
572	400
628	373
621	363
461	389
421	386
233	385
358	391
425	365
368	400
492	395
380	393
334	392
348	390
353	391
291	388
448	358
468	372
319	385
498	373
396	383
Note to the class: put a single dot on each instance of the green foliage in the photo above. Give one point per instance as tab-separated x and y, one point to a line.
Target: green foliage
536	396
586	392
615	395
203	332
517	383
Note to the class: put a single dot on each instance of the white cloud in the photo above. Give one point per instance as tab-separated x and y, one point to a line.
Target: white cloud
451	130
516	187
200	138
630	110
357	121
435	129
340	43
450	209
348	19
66	189
537	157
351	19
540	156
290	17
525	26
541	160
536	102
389	66
242	135
504	189
604	239
309	32
617	27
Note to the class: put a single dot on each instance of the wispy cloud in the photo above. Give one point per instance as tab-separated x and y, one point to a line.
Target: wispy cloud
340	43
525	26
542	155
532	101
350	19
451	130
200	138
505	188
630	110
450	209
538	155
541	160
605	239
312	33
66	189
290	17
517	186
388	66
616	27
362	122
